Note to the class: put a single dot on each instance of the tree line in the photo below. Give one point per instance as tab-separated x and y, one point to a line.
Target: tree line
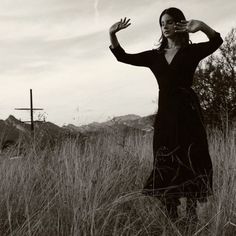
215	83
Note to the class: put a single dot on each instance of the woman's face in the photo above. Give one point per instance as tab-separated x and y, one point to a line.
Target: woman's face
167	26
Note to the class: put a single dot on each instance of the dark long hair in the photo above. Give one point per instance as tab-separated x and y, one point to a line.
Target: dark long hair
177	15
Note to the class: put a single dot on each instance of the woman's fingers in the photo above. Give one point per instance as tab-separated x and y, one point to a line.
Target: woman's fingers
121	20
181	24
124	23
127	25
127	21
181	27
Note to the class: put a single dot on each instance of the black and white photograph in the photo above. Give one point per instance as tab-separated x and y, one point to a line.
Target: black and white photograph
118	118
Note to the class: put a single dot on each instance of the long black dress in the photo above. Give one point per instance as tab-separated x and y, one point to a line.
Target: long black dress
182	166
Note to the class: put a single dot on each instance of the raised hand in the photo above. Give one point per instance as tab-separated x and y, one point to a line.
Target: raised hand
122	24
190	26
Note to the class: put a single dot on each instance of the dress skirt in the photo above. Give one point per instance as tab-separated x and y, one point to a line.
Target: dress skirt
182	165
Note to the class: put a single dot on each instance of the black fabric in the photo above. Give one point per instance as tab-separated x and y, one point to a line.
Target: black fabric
182	165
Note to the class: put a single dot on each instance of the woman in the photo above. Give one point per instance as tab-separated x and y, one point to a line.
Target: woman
182	166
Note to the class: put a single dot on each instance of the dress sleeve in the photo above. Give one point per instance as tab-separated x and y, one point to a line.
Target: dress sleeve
137	59
202	50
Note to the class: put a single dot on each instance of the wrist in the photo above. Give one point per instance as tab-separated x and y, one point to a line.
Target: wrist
112	33
203	26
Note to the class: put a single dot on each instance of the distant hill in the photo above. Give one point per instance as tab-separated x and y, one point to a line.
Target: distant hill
129	121
14	131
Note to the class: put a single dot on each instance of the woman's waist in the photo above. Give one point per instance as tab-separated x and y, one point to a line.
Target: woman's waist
176	91
175	88
177	94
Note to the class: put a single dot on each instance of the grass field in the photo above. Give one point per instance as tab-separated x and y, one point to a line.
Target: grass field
94	190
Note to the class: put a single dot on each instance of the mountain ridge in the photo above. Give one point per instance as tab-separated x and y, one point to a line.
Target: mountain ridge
132	121
12	130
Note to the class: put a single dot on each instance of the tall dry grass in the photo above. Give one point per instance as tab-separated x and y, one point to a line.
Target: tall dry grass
94	190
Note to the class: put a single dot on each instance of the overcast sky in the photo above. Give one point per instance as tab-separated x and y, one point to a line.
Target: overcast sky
59	48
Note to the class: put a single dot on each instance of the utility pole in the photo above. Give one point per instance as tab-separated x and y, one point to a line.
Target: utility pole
31	109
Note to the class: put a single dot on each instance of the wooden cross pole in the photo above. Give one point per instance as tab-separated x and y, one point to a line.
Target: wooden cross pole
31	109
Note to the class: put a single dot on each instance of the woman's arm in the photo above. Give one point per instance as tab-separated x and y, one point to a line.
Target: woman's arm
122	24
145	58
114	41
204	49
207	30
193	26
137	59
